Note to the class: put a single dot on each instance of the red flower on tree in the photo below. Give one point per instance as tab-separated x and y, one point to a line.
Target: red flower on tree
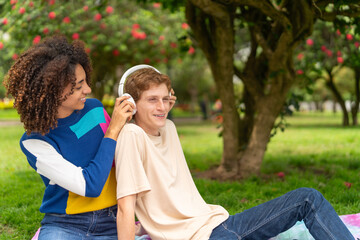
156	5
173	45
299	72
85	8
357	44
300	56
135	26
309	42
14	56
52	15
4	21
66	20
109	9
184	26
340	60
191	50
329	53
75	36
349	37
37	39
46	30
116	52
162	37
1	45
31	4
51	2
97	17
138	35
22	10
12	2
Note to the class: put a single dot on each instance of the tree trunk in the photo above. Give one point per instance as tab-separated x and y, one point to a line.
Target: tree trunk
267	76
330	83
355	106
252	156
220	59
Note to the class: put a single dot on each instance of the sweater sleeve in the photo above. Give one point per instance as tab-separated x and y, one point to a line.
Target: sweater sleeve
87	181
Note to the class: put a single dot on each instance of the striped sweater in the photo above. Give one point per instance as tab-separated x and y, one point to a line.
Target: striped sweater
75	162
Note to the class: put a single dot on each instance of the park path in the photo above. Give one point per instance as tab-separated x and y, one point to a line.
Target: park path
5	123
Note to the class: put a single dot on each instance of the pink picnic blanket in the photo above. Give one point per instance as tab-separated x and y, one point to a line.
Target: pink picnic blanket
298	231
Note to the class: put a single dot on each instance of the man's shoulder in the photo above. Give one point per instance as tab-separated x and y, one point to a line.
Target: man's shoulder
170	125
131	127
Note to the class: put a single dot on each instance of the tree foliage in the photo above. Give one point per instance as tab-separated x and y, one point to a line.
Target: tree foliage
117	34
324	55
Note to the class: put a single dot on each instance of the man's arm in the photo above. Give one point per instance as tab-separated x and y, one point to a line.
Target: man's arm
125	219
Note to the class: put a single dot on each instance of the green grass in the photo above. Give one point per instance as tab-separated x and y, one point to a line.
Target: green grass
9	114
314	151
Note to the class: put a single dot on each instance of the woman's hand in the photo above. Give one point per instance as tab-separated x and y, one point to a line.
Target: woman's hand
172	99
122	113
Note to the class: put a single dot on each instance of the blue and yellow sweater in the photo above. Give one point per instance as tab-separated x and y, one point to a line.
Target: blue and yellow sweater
75	162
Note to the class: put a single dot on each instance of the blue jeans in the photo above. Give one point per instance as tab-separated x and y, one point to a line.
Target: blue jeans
278	215
99	225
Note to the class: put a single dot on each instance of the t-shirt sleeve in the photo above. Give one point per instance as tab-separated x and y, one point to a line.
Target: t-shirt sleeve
130	172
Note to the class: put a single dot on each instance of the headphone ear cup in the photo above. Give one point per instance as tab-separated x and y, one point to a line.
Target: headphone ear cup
131	99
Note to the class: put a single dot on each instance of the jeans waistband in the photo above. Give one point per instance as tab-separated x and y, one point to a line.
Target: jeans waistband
107	210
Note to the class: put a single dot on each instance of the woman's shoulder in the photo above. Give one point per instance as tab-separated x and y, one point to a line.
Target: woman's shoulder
93	102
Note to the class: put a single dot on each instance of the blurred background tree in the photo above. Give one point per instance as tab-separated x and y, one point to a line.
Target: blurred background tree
117	34
332	56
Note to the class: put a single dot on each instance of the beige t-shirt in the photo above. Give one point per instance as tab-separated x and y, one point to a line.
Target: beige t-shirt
168	203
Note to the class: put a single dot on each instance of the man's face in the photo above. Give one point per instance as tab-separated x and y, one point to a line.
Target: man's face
152	109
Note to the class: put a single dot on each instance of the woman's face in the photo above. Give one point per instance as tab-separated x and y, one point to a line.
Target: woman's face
152	109
75	101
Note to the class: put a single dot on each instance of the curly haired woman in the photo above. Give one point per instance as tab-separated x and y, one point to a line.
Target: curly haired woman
69	139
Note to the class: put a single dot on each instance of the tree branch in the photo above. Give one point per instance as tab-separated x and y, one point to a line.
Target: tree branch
266	8
197	24
211	7
262	42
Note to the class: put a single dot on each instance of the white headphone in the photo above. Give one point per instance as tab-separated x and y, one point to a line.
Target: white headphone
123	79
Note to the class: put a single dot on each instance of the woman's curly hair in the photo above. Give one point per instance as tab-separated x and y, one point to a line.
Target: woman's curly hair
38	78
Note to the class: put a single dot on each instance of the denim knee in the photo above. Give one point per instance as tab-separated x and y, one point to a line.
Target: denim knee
310	195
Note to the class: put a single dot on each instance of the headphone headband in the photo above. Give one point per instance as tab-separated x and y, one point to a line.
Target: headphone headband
130	71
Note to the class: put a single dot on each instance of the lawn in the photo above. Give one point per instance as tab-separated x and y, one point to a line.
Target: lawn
314	151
